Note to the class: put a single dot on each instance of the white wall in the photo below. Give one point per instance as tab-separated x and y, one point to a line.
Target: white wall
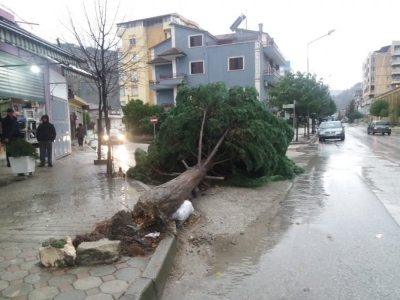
59	112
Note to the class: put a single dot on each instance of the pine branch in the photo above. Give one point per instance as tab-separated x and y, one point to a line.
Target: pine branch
217	146
201	137
214	178
222	161
185	164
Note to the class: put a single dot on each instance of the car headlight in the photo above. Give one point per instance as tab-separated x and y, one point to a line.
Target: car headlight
105	137
121	137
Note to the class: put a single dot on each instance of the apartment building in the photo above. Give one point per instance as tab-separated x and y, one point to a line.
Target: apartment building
358	97
381	72
244	57
138	36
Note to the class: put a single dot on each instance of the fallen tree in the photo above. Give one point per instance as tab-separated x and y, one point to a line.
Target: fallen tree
211	134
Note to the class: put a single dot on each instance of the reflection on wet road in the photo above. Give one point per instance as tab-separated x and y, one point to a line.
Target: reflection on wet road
123	154
324	242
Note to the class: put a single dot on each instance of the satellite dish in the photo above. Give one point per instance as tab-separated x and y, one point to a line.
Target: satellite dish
237	22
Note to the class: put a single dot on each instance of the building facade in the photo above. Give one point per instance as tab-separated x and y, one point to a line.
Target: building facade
34	76
381	72
138	36
245	58
358	100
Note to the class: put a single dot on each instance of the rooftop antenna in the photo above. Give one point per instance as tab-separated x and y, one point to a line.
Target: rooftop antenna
237	22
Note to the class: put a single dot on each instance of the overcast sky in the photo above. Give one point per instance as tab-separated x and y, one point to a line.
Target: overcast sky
361	26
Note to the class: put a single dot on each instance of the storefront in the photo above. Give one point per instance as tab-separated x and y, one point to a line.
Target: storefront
33	79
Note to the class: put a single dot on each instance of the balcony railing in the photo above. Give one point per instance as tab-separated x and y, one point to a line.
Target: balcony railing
154	82
173	76
271	42
272	71
232	41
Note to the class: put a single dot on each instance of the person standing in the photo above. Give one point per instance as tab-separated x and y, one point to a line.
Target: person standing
46	134
10	131
80	134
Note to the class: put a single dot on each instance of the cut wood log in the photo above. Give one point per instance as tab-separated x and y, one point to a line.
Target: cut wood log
158	204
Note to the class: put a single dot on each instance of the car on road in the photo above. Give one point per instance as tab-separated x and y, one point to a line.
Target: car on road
379	127
116	137
332	130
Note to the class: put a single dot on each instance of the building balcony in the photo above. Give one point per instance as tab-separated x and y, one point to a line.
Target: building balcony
395	71
172	79
155	85
172	53
395	62
271	76
167	81
159	61
396	81
273	52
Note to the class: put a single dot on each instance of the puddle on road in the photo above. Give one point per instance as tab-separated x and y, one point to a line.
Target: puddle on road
233	263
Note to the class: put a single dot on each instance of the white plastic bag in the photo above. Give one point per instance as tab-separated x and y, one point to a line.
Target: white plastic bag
152	235
184	211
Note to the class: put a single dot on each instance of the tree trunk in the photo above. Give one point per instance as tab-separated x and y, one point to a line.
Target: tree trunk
99	126
161	202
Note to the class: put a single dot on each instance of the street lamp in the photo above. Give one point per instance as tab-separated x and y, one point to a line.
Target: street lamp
329	33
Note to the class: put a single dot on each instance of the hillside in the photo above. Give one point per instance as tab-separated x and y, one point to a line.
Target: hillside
344	98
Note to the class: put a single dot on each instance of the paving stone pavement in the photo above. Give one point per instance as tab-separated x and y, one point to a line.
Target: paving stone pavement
68	199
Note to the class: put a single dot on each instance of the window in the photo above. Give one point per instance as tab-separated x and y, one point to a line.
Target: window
373	59
154	22
132	41
122	92
236	63
196	40
135	57
135	90
197	67
373	69
121	75
372	79
134	76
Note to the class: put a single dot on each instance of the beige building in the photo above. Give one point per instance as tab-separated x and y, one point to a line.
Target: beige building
381	73
137	37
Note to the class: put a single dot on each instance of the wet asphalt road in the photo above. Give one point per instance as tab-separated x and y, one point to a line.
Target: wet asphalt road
335	236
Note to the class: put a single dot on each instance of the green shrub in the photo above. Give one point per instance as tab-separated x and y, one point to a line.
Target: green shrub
21	147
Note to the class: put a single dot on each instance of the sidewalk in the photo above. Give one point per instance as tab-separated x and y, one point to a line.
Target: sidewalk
68	199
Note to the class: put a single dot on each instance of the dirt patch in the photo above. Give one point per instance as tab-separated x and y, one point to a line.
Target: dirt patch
122	227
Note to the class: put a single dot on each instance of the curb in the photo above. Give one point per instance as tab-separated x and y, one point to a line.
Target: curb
150	285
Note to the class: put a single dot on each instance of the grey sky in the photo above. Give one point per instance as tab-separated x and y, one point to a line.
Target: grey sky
361	26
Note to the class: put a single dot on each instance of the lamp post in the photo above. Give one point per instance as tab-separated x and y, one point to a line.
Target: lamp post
308	72
329	33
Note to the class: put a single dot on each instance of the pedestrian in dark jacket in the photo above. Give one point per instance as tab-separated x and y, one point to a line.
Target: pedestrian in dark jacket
80	134
46	134
10	131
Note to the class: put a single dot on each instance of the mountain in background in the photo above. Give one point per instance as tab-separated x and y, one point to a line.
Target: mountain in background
335	92
343	99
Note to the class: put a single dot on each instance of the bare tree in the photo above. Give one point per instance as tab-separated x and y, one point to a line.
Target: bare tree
111	68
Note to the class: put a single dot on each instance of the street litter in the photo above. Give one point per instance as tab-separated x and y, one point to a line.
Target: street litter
379	236
152	235
184	211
